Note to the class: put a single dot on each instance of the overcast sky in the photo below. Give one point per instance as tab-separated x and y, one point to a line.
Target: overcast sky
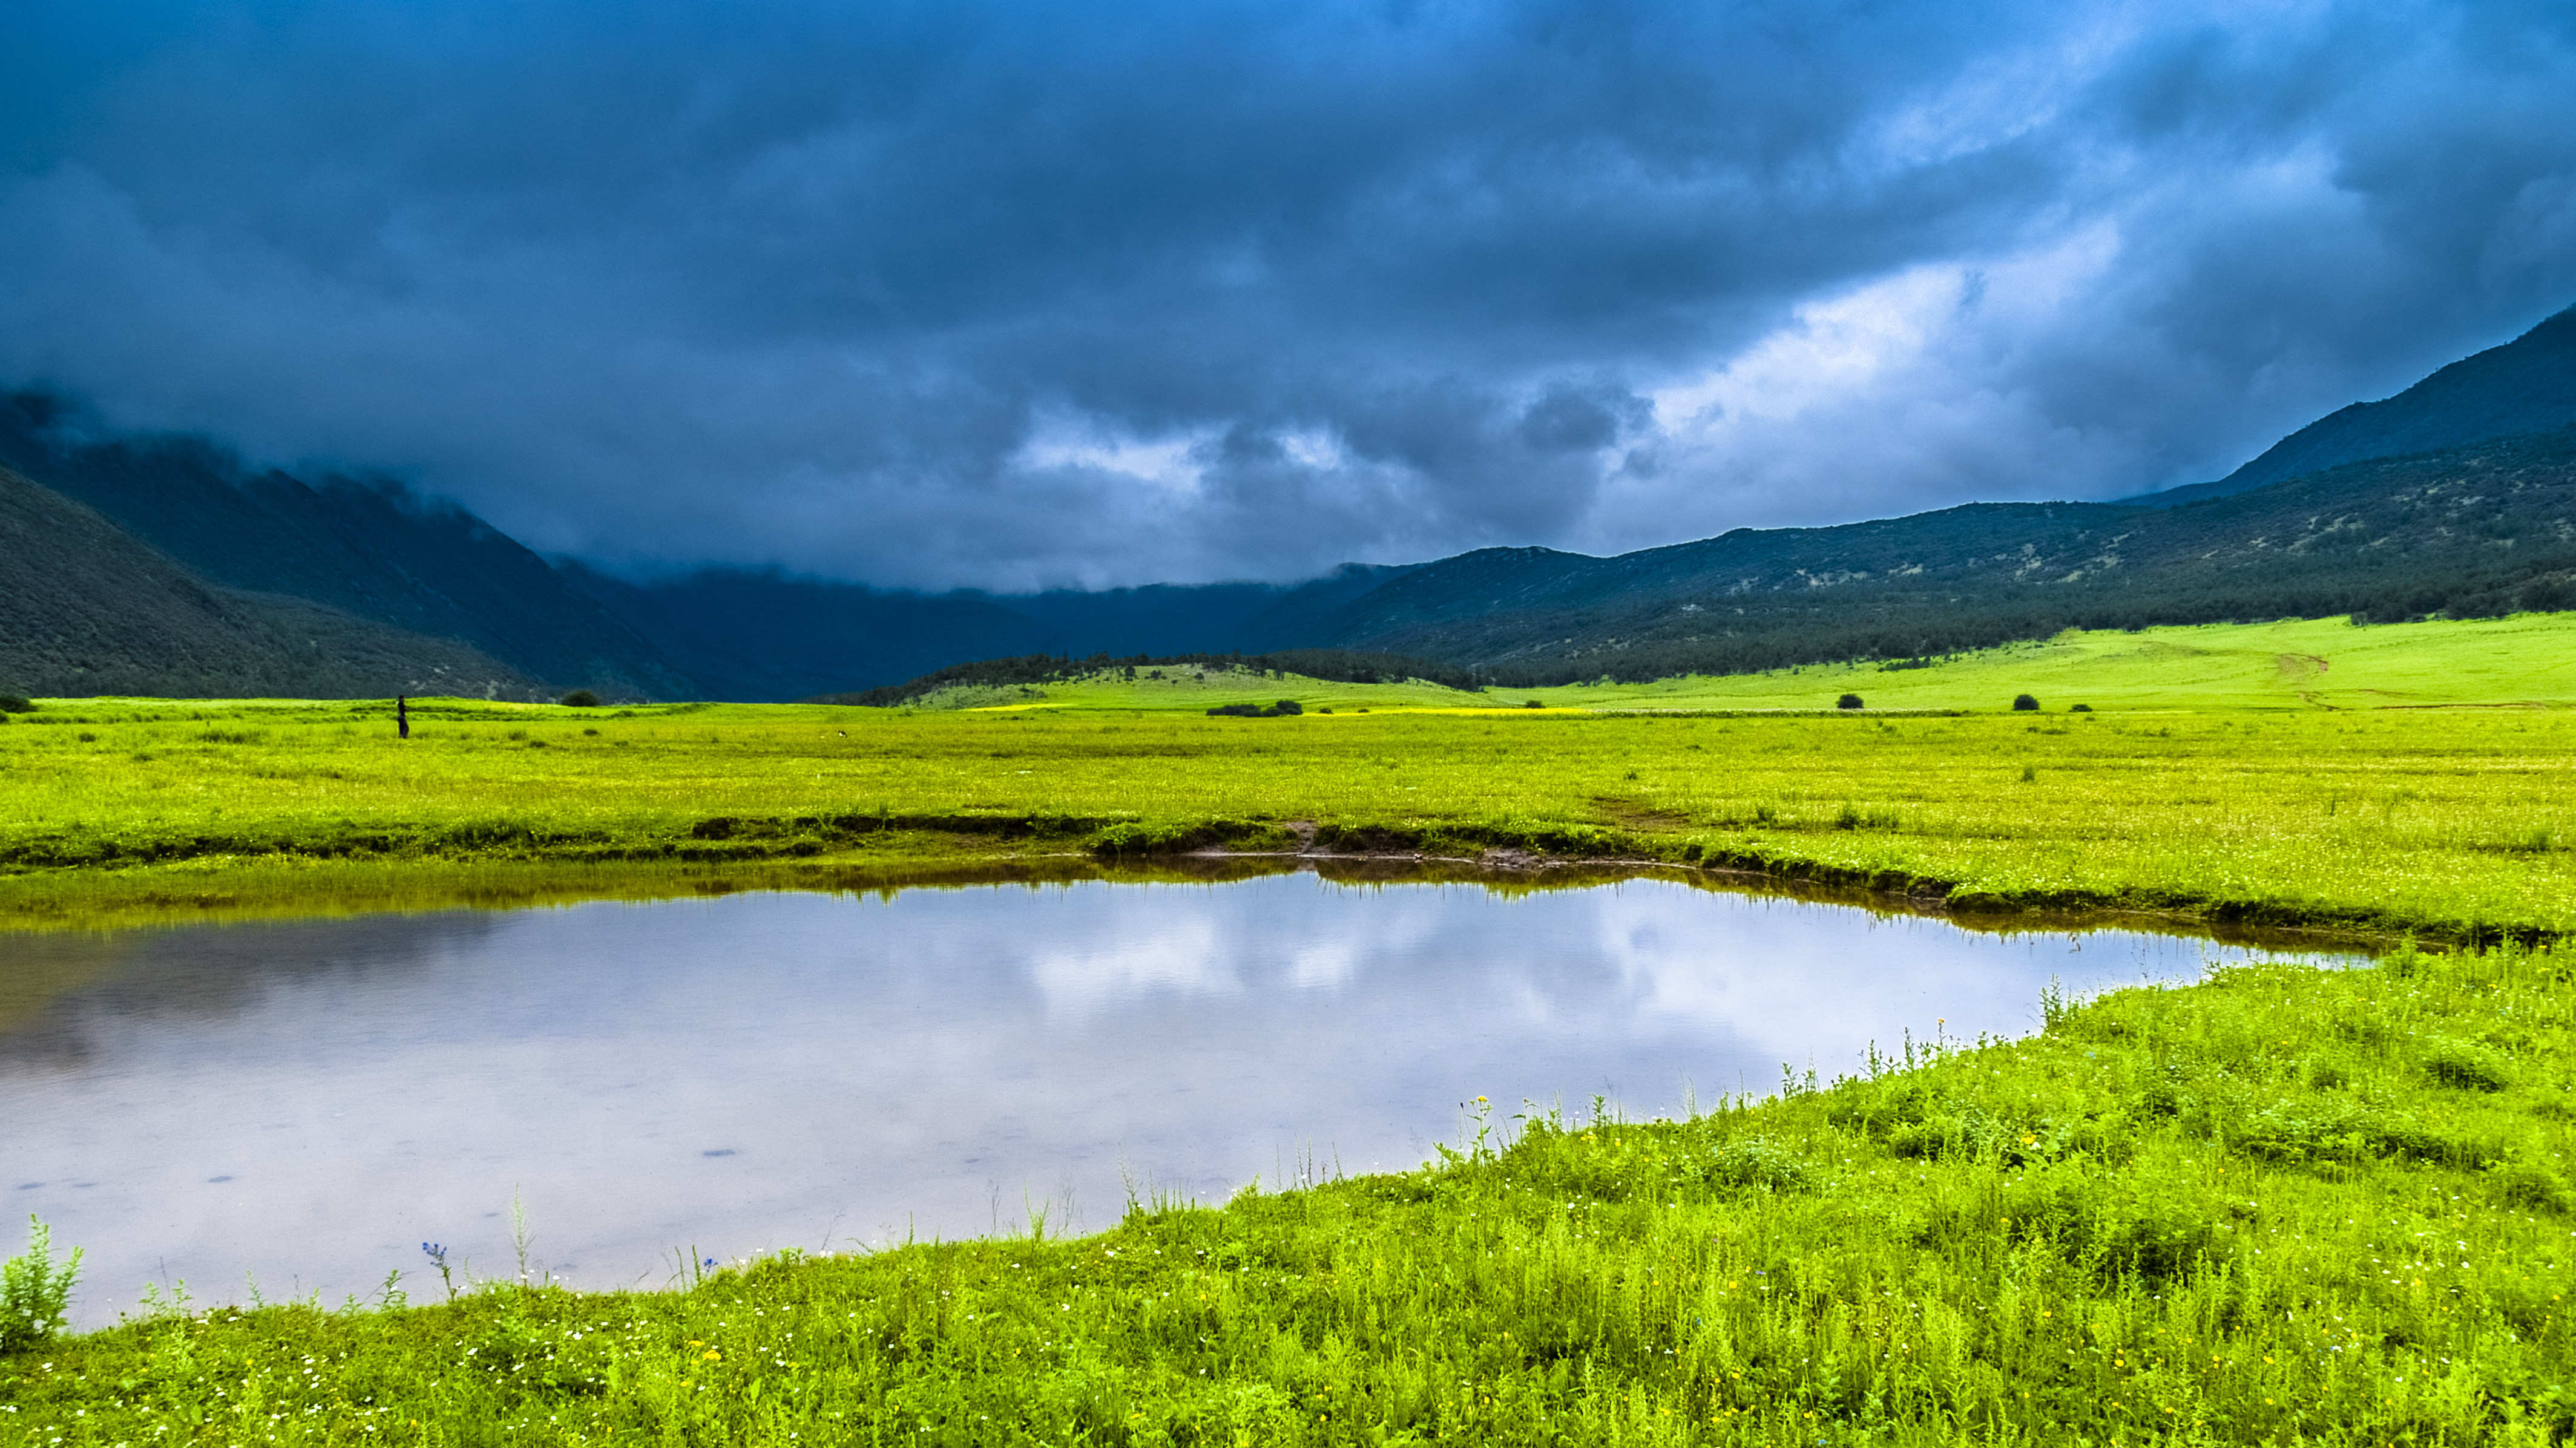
1024	294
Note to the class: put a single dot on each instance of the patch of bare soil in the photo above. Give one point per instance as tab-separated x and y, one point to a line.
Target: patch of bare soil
1637	816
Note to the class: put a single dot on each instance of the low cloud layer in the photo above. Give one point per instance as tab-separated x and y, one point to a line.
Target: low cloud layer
1027	294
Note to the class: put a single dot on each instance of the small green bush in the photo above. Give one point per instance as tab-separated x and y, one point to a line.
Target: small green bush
2522	1184
1849	701
2079	709
1754	1163
2024	702
581	699
2467	1066
16	704
35	1299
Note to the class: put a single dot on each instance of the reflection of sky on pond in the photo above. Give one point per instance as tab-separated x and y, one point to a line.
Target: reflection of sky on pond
306	1102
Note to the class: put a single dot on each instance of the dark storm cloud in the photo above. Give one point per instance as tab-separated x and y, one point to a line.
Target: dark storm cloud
1013	294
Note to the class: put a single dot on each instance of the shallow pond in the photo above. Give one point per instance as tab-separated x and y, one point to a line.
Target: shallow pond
303	1103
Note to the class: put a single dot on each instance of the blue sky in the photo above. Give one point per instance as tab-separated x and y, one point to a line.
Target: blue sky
1028	294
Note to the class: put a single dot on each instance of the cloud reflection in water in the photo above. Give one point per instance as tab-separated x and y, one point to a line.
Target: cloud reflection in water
306	1101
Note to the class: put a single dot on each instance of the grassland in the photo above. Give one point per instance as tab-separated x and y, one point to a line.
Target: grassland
2281	1206
2213	778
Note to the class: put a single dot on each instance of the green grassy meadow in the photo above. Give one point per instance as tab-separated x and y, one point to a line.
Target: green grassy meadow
2284	1205
2205	782
2296	663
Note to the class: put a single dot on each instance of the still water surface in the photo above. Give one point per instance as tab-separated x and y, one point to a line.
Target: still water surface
305	1102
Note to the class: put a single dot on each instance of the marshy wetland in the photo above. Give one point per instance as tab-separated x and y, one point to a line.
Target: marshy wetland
2273	1203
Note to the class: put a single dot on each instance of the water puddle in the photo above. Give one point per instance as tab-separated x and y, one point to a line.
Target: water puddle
303	1103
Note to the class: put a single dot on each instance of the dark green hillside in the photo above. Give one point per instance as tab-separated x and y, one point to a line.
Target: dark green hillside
1333	665
85	608
762	636
1487	602
2527	385
1207	618
2472	532
364	550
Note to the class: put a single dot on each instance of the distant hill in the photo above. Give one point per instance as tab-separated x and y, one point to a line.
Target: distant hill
366	550
2457	497
90	609
1332	665
755	636
2472	532
762	635
1249	618
371	551
2528	385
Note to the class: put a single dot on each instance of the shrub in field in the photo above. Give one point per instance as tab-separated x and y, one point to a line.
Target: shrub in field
2524	1184
1754	1163
2466	1065
581	699
2024	702
2111	1229
2079	709
16	704
1849	701
34	1296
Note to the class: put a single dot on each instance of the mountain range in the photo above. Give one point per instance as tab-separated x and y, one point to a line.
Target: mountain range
162	564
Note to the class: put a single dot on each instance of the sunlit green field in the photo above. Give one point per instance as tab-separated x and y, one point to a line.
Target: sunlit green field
2294	664
2284	1206
2233	797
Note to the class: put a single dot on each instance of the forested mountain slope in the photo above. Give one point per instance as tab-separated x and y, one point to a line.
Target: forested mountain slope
2469	532
367	551
86	608
755	636
2528	385
762	635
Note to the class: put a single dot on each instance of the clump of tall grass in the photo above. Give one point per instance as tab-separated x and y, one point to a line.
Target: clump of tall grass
35	1295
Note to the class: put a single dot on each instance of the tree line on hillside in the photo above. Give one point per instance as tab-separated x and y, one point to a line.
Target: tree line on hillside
2473	533
1344	666
1882	624
1904	626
